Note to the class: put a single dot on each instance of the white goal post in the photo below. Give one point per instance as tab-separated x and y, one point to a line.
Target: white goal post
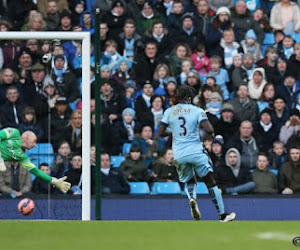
85	38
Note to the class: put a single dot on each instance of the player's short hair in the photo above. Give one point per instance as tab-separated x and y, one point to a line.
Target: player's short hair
185	94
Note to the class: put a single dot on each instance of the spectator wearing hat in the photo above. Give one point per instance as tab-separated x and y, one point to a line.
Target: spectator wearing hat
146	63
22	63
243	20
65	23
170	97
65	81
265	129
188	33
214	108
257	83
130	93
294	62
52	16
281	68
113	103
129	41
221	22
123	73
60	118
194	81
250	45
291	128
216	153
237	74
244	107
29	122
174	19
143	104
116	18
77	11
146	18
128	127
87	22
11	112
289	89
280	113
227	125
34	84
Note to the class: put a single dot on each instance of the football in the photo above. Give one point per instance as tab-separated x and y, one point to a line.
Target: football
26	206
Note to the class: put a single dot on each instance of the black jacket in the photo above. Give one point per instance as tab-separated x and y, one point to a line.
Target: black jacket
115	182
7	117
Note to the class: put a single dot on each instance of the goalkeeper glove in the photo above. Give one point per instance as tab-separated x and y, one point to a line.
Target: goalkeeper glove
61	184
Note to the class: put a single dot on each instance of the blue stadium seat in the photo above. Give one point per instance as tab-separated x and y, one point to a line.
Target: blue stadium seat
139	188
38	159
274	171
126	148
41	149
166	188
269	39
116	160
201	188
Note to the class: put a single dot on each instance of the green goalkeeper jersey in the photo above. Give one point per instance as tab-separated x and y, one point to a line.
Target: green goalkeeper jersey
11	150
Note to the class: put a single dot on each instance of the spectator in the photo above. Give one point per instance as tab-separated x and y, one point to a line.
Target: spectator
193	81
203	16
174	19
216	4
164	169
262	19
149	146
203	98
62	159
201	61
157	112
287	48
129	41
113	180
74	174
64	79
59	120
15	181
214	108
291	127
247	144
113	102
250	45
257	83
65	23
180	52
244	107
277	155
170	97
40	186
237	74
243	20
22	63
12	110
42	6
87	21
146	18
289	173
220	75
104	35
233	178
294	62
52	16
189	33
216	153
129	126
264	128
130	93
211	81
122	73
8	78
73	133
146	63
228	124
289	89
134	7
143	104
133	167
186	67
285	16
160	77
266	99
35	23
265	181
219	24
76	13
29	122
248	64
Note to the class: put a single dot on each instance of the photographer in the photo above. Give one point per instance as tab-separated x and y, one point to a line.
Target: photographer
291	128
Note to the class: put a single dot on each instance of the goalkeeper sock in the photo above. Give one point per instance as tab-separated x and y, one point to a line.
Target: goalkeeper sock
217	199
191	190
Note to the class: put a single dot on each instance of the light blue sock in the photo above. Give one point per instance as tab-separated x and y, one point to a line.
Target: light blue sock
191	190
217	199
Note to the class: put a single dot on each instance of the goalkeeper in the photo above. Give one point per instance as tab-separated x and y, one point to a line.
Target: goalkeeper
12	148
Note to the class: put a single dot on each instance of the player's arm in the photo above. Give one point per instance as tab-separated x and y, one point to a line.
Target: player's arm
162	131
206	125
9	133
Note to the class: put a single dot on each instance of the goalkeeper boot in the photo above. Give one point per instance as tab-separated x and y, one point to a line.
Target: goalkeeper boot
195	209
227	217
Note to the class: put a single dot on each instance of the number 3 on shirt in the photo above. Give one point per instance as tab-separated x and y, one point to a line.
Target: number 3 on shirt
182	126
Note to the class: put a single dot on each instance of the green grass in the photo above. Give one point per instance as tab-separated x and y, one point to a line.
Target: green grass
146	235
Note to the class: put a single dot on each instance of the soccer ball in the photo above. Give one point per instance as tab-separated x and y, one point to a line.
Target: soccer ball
26	206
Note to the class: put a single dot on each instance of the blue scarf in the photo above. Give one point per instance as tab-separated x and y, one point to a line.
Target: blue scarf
214	108
190	31
168	7
129	47
59	74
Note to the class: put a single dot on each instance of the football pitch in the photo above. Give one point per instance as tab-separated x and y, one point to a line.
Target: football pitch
146	235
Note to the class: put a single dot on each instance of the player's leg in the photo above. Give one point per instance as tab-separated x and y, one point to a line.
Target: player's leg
2	164
216	198
186	175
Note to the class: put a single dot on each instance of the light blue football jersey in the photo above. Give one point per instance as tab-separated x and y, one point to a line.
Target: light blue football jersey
184	119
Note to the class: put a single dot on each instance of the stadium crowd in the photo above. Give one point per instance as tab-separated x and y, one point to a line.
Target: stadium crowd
250	91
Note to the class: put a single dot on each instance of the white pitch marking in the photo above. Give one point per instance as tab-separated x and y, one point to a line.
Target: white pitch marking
275	236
